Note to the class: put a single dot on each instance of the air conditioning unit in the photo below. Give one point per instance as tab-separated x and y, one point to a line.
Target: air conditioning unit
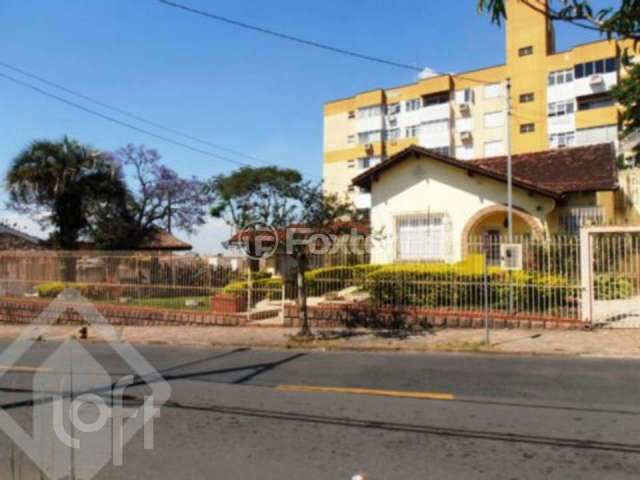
466	136
596	79
368	147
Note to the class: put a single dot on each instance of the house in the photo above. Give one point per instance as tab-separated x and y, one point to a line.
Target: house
428	206
559	98
13	239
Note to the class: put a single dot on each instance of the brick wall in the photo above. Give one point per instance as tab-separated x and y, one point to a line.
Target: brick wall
340	315
25	311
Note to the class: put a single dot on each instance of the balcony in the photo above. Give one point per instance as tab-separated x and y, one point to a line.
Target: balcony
597	83
574	218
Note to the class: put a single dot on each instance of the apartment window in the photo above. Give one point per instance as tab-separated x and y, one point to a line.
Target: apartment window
494	149
435	126
493	91
527	97
412	105
369	112
423	237
393	134
558	109
527	128
393	109
592	102
595	135
563	139
561	76
465	96
524	51
446	151
370	137
493	119
435	99
367	162
606	65
412	131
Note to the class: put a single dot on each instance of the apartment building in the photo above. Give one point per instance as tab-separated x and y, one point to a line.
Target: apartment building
559	99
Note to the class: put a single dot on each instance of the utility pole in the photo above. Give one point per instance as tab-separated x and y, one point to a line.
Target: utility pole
509	183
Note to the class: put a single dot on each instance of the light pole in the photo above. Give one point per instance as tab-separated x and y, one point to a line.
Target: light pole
509	183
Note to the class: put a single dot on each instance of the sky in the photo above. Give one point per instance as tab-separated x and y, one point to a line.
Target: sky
239	89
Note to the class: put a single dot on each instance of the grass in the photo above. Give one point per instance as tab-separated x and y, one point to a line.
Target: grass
176	303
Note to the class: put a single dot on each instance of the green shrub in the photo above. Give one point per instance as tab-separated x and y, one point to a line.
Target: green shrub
333	279
612	287
92	292
461	285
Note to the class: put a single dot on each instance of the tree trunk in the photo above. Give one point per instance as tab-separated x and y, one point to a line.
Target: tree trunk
305	330
69	263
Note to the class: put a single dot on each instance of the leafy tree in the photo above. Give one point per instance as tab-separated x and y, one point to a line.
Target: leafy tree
60	183
253	197
622	22
159	198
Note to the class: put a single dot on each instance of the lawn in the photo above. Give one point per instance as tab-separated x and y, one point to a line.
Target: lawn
177	303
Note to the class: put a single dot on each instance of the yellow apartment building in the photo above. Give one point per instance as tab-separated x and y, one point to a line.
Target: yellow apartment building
559	99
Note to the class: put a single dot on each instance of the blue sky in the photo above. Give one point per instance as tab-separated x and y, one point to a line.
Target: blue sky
252	93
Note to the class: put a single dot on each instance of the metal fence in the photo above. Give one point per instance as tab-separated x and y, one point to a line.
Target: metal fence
548	286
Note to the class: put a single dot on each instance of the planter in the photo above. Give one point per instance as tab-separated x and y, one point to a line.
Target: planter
229	302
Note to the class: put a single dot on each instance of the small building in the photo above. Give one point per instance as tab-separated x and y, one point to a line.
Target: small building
428	207
13	239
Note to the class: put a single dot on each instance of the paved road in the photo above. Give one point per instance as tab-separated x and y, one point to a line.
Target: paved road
242	414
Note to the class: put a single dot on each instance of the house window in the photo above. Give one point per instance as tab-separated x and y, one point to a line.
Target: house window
524	51
494	149
606	65
561	140
369	112
559	77
527	97
592	102
558	109
574	218
412	105
527	128
423	237
493	119
412	131
493	91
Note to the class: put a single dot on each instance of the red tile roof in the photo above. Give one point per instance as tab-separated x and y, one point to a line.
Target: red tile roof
551	173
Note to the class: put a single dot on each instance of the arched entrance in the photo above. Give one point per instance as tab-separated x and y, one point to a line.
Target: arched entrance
492	221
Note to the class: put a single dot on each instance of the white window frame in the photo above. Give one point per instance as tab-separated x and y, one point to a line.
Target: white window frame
494	119
370	111
413	105
562	139
371	136
412	131
423	237
561	108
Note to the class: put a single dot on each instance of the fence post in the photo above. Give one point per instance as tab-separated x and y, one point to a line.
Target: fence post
486	301
249	291
586	275
283	300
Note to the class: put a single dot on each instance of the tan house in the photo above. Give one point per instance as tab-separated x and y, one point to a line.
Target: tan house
426	206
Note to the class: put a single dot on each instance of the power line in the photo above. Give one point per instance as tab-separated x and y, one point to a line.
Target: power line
310	43
129	114
122	123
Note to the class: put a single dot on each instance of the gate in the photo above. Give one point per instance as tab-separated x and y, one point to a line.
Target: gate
610	270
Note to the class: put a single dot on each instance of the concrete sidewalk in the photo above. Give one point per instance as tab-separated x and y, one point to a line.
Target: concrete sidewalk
599	343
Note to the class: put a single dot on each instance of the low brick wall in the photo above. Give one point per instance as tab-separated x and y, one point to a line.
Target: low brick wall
341	315
25	311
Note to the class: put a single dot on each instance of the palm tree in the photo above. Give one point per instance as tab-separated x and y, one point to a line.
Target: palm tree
64	181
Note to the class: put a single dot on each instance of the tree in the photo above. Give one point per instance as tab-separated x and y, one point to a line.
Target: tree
60	183
251	198
160	198
622	22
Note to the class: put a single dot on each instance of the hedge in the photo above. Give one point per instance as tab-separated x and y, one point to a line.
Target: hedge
92	292
612	287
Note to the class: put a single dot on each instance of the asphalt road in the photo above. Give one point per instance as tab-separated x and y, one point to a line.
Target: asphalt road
243	414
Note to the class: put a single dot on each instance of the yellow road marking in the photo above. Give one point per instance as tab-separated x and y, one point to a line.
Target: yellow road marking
19	368
367	391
